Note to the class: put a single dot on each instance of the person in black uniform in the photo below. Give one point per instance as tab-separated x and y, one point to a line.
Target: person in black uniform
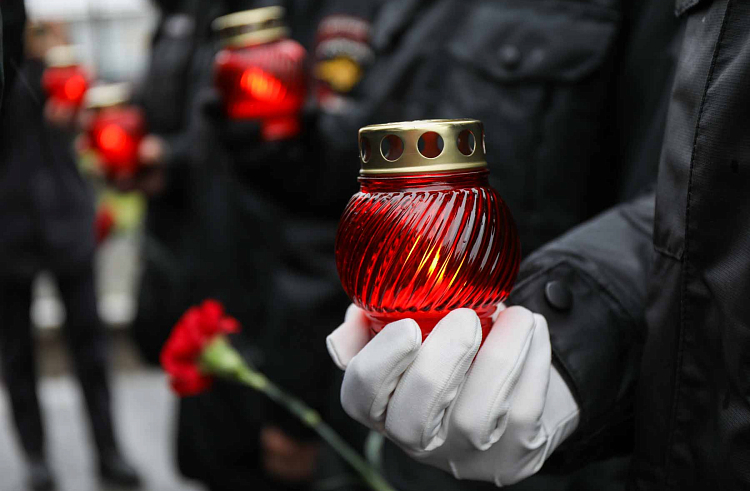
179	65
647	303
243	209
46	214
208	235
550	108
573	97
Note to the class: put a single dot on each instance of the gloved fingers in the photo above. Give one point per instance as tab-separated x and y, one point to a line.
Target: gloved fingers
518	343
526	445
524	419
349	338
561	412
354	313
372	375
417	408
499	308
531	393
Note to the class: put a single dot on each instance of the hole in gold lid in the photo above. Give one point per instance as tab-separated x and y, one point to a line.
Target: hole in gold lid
365	151
430	144
391	147
466	142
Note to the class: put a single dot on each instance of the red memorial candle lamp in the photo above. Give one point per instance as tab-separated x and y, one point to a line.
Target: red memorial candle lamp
64	80
116	129
426	234
260	72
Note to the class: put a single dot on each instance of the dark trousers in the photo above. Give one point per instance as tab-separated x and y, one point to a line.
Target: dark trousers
86	341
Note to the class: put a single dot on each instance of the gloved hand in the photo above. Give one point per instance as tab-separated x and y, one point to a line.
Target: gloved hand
496	417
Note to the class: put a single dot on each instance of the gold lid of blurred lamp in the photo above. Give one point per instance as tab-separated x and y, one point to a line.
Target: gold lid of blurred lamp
107	95
431	145
250	27
64	55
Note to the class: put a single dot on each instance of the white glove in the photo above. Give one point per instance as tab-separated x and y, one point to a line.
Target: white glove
496	417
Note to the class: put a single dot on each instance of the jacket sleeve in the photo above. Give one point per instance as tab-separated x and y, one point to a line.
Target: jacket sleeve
590	284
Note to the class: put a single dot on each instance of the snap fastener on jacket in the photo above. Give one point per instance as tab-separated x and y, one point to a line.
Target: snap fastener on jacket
558	295
510	56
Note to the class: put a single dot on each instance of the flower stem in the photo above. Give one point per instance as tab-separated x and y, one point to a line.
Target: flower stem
312	419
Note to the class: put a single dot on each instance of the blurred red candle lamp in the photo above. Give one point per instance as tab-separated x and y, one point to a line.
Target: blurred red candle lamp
426	234
64	80
116	129
260	71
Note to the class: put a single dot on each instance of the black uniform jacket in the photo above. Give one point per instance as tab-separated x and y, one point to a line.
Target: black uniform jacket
573	96
654	337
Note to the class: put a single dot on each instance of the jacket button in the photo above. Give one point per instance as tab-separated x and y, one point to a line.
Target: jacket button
558	295
510	56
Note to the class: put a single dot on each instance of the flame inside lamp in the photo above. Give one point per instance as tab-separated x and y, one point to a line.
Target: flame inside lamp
74	87
113	139
116	133
262	86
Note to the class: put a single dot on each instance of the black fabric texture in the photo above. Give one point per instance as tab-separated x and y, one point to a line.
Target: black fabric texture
657	345
692	413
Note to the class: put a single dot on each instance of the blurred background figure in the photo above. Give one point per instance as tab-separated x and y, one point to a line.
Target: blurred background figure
231	438
179	64
46	212
190	249
211	230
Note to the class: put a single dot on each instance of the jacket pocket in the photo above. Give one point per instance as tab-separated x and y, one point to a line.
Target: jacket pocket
539	74
533	40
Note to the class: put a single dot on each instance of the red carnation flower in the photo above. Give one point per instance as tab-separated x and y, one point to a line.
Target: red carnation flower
197	350
181	355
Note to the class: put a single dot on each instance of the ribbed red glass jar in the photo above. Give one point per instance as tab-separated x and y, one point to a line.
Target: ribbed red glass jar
426	235
260	72
64	79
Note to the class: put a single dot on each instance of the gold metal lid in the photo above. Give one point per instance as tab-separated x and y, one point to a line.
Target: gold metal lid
62	56
107	95
250	27
415	146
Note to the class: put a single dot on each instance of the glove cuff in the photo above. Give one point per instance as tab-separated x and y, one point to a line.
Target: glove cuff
594	348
